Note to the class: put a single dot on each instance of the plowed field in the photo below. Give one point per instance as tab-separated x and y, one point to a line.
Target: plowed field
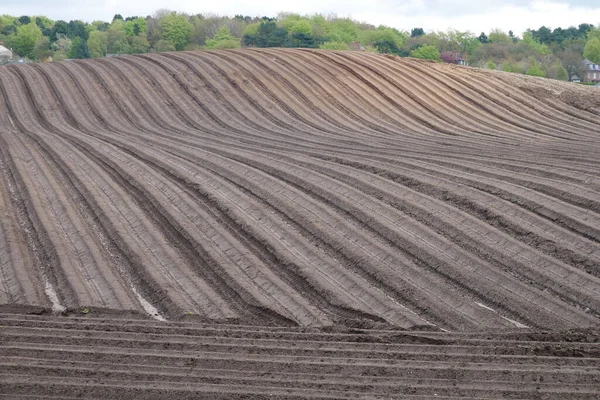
298	209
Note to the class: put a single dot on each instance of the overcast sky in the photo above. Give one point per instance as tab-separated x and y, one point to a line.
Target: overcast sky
475	16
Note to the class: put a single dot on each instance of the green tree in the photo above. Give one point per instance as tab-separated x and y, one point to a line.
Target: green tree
387	46
98	43
591	51
25	39
536	70
335	46
79	49
135	27
117	38
426	52
223	39
177	29
163	46
498	36
416	32
41	50
139	44
562	74
268	35
343	30
382	34
492	65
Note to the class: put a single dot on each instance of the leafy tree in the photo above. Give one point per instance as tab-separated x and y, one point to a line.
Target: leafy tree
416	32
508	67
135	27
536	70
382	34
268	35
562	74
98	43
77	28
177	29
163	46
25	39
529	40
335	46
591	50
483	38
223	39
387	46
24	20
498	36
572	62
138	44
117	38
492	65
79	49
426	52
118	16
41	50
343	30
60	28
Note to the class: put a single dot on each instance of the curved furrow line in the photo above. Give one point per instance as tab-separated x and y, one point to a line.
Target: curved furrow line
415	96
564	173
351	93
436	260
311	262
579	116
568	192
456	111
296	89
17	279
291	106
424	124
435	119
570	207
563	214
249	124
462	92
230	131
160	211
467	104
262	249
320	199
519	118
335	90
103	202
78	222
525	226
229	70
475	237
275	136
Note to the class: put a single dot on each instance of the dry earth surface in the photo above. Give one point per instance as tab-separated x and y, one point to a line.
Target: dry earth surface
296	224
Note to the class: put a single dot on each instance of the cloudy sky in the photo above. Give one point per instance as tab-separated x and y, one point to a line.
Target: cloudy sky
476	16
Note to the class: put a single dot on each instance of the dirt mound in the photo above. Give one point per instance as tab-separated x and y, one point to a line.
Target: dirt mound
300	188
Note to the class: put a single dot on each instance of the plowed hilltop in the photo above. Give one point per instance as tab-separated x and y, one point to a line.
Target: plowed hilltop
296	223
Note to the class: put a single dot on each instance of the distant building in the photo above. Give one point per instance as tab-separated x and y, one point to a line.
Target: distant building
356	46
5	55
454	57
592	72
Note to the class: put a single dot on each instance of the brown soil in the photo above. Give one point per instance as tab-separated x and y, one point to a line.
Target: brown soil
297	191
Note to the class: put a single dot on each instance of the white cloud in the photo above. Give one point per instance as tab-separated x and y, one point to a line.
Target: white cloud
516	15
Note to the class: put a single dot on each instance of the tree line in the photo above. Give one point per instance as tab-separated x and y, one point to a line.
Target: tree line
554	53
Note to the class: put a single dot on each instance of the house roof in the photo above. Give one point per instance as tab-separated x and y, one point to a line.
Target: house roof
591	65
